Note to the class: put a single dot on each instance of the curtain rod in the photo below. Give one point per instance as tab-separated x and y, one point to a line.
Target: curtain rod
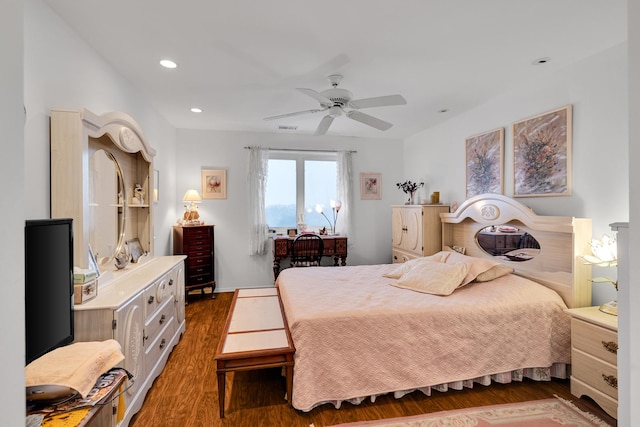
305	149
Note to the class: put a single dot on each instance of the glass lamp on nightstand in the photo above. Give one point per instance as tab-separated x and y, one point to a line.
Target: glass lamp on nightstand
604	254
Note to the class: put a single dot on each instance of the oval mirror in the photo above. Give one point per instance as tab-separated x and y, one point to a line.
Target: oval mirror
107	202
508	242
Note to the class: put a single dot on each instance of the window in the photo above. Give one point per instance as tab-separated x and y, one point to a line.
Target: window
296	183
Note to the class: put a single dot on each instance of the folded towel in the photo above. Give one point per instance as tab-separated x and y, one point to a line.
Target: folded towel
77	365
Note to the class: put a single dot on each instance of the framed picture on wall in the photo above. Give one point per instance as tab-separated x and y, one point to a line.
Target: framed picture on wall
370	186
484	163
542	154
214	183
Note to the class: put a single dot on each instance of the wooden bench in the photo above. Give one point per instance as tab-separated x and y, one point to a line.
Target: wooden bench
255	336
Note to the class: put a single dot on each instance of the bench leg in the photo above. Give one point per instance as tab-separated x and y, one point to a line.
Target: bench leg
221	392
289	380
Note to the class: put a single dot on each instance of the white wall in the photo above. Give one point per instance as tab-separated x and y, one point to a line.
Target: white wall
371	237
629	336
62	70
12	223
597	89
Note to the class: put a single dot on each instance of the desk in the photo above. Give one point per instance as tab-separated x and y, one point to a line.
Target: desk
334	246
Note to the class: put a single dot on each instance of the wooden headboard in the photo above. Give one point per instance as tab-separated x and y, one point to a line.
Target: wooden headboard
562	241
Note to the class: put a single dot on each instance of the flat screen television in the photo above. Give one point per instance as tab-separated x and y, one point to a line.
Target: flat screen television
48	285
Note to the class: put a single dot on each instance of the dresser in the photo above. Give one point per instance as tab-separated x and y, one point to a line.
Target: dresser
141	307
196	242
416	231
594	360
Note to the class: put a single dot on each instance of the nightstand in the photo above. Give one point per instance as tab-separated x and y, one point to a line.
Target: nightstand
594	357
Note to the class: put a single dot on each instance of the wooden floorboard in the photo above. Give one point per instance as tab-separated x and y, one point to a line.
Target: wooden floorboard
186	393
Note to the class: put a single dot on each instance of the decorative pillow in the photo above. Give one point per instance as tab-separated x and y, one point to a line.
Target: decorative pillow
433	277
493	273
406	266
475	265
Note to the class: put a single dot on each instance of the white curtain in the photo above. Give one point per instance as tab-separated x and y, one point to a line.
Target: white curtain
258	167
345	194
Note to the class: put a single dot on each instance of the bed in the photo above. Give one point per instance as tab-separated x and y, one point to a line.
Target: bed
359	333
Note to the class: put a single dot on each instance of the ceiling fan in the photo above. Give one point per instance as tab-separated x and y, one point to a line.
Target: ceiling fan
338	102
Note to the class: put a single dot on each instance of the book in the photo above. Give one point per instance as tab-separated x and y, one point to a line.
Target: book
83	275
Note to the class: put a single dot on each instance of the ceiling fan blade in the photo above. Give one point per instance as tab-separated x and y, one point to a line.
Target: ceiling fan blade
379	101
369	120
323	100
297	113
323	127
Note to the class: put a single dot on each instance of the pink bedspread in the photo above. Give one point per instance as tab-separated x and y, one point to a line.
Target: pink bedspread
357	336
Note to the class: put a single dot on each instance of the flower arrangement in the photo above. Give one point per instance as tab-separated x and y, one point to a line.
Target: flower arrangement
409	187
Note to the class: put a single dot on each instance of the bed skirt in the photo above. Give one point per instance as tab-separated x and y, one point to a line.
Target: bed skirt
557	370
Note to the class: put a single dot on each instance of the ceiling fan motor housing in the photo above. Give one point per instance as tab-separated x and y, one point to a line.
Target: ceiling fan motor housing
339	97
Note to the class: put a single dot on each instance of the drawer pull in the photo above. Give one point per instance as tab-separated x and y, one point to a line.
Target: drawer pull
610	346
611	380
162	319
170	282
146	337
151	299
163	343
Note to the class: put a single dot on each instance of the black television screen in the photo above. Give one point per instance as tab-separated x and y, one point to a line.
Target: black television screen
48	285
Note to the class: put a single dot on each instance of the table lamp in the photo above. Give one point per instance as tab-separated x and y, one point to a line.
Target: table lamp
191	215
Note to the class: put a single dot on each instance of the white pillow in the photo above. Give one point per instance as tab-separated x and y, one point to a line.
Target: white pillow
406	266
493	273
433	277
475	265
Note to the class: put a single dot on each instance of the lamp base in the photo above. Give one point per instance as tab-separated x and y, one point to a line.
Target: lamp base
610	307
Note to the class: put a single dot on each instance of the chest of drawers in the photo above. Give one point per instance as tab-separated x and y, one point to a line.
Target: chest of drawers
196	242
594	360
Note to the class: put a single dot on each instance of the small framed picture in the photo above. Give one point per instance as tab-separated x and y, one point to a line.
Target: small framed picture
292	232
370	186
93	264
214	183
135	248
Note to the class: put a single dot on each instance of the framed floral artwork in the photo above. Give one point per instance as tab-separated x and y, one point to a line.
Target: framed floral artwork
370	186
542	154
214	183
484	163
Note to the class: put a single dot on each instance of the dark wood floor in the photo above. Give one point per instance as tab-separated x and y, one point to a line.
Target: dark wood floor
186	393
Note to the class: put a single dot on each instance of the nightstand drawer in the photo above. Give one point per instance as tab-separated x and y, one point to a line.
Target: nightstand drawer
594	340
600	375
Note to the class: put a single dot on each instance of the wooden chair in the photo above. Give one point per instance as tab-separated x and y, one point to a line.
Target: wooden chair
528	241
306	250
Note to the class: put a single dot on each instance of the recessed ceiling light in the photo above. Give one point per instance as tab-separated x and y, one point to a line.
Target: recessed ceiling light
541	61
196	110
167	63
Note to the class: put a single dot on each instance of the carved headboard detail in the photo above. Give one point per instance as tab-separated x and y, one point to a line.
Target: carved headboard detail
562	241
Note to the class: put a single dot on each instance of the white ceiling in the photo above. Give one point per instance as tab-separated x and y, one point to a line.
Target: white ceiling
241	60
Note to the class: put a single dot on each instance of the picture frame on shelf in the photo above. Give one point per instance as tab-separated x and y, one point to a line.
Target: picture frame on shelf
484	163
542	154
93	263
135	248
370	186
214	183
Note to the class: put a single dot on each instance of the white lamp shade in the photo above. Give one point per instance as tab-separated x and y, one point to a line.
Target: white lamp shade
192	196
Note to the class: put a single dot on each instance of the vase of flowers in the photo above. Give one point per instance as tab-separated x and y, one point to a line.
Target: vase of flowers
409	187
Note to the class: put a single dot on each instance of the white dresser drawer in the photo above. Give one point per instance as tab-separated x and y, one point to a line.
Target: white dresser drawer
598	374
594	340
160	317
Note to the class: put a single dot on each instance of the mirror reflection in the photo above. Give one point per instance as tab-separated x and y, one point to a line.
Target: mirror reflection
508	242
107	201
